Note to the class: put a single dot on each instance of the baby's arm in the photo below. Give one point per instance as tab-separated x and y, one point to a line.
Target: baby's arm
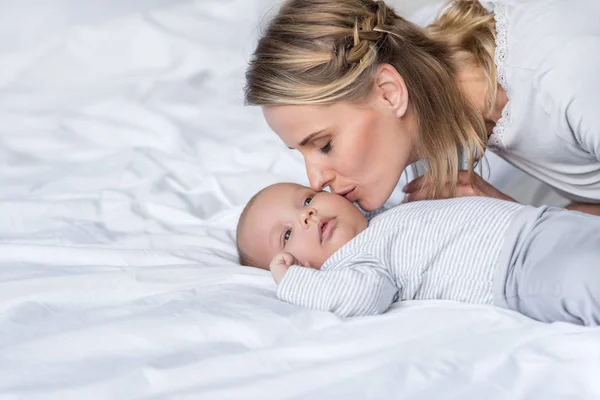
361	287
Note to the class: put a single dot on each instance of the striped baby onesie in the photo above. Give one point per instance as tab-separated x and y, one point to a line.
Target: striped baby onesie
437	249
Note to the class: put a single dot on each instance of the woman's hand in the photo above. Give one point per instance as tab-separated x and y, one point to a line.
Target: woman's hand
280	264
593	209
415	191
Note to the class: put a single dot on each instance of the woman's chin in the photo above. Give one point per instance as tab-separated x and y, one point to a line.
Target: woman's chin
375	202
366	205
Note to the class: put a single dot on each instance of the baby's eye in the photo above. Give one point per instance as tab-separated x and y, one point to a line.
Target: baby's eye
286	236
307	201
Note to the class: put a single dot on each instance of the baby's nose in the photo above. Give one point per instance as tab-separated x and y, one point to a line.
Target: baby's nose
309	215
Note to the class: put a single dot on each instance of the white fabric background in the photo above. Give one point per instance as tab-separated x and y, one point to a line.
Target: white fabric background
125	157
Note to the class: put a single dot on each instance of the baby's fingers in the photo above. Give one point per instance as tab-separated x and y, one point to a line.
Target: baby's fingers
284	259
287	259
279	265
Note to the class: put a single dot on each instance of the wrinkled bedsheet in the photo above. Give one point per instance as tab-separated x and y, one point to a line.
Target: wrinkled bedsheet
126	155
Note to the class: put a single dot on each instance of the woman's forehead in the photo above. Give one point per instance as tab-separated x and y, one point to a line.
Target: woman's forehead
294	123
299	115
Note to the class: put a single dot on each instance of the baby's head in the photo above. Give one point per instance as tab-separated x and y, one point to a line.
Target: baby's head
293	218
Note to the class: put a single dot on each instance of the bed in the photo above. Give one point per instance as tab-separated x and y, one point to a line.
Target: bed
126	155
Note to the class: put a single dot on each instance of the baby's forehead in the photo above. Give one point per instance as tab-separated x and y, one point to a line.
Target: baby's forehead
252	235
263	215
280	194
283	189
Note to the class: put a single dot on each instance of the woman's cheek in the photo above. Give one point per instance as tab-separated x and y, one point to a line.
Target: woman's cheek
355	158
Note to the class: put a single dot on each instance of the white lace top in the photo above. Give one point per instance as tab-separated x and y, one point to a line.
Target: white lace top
548	62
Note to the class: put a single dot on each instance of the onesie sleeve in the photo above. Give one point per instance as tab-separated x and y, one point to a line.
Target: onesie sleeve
355	287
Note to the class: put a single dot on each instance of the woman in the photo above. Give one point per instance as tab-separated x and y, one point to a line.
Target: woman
363	93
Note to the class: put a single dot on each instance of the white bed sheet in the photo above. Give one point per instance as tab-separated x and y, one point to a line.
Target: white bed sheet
125	158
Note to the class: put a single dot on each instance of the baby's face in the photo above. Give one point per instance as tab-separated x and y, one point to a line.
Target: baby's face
307	224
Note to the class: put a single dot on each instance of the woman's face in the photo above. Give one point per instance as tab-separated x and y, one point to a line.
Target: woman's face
359	151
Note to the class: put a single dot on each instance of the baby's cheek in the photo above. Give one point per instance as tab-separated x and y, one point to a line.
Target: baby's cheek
343	237
301	252
318	257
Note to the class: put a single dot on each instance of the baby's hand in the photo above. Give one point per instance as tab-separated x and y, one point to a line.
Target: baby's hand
280	264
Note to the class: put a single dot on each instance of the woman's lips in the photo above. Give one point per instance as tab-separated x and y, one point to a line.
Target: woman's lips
351	195
326	227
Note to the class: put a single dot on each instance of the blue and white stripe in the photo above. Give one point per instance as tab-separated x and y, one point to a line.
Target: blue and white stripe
440	249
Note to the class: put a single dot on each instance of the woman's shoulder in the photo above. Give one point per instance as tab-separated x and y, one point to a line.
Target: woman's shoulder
536	30
549	53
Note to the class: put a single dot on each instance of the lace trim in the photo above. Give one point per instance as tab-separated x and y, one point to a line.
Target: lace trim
501	17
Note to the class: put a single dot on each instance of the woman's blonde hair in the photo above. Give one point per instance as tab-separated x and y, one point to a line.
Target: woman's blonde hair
327	51
469	30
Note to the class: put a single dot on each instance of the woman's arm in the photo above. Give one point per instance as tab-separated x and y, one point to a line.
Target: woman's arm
587	208
480	187
579	70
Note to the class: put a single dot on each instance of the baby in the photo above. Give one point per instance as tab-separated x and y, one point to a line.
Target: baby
326	255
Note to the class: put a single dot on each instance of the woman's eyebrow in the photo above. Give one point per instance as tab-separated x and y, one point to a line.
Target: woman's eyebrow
307	139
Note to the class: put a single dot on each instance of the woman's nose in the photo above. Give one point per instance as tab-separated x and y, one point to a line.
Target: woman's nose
308	216
319	179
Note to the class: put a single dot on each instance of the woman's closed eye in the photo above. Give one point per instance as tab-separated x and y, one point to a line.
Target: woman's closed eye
327	148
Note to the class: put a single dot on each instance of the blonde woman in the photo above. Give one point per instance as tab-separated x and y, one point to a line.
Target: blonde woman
362	93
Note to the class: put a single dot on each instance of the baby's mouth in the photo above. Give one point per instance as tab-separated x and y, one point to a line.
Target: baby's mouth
326	227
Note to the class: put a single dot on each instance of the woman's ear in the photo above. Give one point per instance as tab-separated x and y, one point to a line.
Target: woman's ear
391	89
